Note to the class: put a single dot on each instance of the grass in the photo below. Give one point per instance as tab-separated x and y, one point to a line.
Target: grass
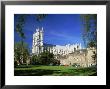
41	70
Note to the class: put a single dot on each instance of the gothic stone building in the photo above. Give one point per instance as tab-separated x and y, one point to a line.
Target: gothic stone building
67	54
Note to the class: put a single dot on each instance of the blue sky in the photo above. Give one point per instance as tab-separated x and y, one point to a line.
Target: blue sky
59	29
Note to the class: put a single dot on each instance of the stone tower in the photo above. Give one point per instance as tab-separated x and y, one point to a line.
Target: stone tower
37	46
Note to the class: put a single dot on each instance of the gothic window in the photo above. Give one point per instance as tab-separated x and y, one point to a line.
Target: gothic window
74	49
34	40
77	47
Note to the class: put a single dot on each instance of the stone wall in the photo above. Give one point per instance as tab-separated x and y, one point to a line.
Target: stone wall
83	58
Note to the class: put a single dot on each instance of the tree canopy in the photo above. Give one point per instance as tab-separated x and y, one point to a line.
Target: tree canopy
21	55
89	34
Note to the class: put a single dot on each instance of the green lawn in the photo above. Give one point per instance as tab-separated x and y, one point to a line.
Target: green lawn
33	70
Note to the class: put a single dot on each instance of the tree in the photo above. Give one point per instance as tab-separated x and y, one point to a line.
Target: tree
19	29
46	58
35	60
20	25
21	21
89	29
18	52
40	17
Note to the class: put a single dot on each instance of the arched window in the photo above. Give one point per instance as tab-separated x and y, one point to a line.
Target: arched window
74	49
77	47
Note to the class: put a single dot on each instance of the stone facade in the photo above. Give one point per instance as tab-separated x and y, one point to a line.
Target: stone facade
67	54
38	46
83	58
64	50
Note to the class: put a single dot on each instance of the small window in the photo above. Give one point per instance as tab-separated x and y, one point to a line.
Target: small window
93	52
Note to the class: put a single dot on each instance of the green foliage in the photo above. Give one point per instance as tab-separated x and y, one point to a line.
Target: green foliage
35	60
15	63
45	58
21	52
21	22
76	65
89	29
20	25
91	44
40	17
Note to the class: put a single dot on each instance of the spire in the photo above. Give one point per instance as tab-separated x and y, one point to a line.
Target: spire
36	29
42	29
80	46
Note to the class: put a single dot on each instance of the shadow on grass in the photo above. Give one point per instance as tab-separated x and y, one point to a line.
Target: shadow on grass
38	72
25	66
89	71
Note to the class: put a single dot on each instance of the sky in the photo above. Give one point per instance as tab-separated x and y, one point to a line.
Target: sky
59	29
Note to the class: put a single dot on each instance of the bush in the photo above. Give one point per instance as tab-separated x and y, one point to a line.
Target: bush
76	65
15	63
44	58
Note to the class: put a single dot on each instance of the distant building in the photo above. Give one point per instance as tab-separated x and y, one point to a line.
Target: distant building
68	54
38	46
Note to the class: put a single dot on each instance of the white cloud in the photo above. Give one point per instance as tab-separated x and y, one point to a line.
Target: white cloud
62	35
